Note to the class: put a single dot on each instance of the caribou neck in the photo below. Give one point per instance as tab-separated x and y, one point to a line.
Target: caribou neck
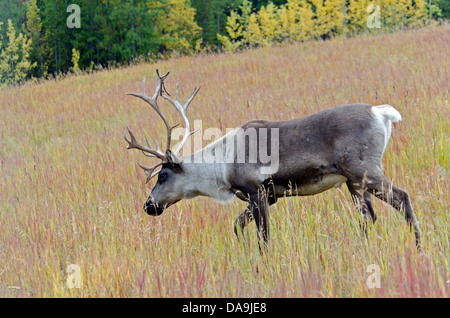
206	179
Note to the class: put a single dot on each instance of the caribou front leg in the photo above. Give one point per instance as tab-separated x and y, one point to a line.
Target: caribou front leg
259	205
242	221
246	217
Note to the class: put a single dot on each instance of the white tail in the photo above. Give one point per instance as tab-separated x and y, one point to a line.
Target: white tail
386	115
388	112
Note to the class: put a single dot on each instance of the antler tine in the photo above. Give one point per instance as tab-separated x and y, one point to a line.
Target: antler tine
182	110
149	171
134	144
158	149
160	88
153	102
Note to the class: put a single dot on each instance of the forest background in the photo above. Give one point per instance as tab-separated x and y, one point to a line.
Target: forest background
47	39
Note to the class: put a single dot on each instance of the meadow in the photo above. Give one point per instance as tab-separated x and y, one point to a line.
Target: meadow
71	193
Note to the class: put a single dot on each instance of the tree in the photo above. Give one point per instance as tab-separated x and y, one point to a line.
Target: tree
296	20
233	41
396	14
269	24
444	5
329	17
14	58
75	60
357	16
15	10
436	8
240	28
179	31
419	13
211	16
252	32
33	31
56	36
257	4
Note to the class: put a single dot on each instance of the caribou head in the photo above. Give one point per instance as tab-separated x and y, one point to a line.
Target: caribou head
166	191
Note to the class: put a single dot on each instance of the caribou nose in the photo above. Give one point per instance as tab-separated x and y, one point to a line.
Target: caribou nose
152	208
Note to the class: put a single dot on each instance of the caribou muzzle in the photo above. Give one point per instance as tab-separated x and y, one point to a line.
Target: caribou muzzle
152	208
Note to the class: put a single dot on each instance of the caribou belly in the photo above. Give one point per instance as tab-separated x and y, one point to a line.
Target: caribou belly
328	181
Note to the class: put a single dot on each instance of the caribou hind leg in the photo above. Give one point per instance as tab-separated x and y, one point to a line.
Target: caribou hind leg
397	198
378	185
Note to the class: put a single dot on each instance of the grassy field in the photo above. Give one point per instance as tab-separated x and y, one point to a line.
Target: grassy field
72	194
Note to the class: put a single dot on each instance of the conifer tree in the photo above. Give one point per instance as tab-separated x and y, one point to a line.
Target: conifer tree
33	31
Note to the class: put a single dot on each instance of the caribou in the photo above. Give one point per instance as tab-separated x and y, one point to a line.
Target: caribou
344	144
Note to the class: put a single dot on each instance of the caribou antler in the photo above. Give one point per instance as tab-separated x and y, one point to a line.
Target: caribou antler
148	150
182	110
166	156
134	144
149	171
153	103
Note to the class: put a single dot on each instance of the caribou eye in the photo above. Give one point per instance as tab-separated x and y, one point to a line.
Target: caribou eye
162	177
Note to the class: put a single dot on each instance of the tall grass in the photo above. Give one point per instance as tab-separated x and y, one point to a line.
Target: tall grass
72	194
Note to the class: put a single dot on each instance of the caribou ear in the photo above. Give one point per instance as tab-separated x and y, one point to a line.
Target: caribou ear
172	158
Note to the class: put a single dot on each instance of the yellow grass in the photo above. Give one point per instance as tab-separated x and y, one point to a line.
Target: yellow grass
72	194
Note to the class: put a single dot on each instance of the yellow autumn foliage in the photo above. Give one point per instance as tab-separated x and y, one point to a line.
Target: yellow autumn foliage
179	27
302	20
329	17
296	20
